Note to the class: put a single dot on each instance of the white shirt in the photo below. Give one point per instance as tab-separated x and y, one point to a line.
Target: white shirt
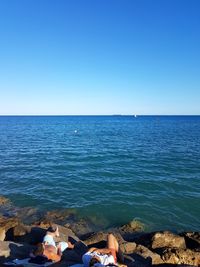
48	239
104	258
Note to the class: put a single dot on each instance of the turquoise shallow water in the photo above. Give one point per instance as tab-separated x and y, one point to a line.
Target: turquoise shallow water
110	168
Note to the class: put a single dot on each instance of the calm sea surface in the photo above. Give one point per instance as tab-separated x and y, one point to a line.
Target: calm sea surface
111	168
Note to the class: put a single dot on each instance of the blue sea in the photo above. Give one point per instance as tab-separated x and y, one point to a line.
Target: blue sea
109	168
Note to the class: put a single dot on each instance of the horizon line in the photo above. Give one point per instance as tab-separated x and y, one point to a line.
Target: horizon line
92	115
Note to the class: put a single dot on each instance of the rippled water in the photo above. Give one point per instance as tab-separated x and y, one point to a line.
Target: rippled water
111	168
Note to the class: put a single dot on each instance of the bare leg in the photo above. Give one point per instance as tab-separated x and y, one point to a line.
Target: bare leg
57	232
112	243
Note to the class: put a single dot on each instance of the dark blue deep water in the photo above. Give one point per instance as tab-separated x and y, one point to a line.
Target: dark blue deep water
111	168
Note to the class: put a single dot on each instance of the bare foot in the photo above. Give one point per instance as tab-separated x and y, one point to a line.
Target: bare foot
70	245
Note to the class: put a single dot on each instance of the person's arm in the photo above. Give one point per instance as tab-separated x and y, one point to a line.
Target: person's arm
91	249
103	250
70	245
53	256
59	252
56	257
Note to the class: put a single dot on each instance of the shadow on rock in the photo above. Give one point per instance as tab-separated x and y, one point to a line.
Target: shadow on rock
31	235
10	251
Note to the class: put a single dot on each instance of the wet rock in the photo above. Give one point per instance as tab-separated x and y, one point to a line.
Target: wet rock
181	256
130	230
96	238
4	200
60	217
132	226
82	227
167	239
10	250
28	215
43	224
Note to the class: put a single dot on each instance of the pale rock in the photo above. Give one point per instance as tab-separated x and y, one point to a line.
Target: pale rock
181	256
2	234
167	239
128	247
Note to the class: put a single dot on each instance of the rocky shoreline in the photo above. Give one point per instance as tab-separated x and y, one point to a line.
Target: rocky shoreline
22	228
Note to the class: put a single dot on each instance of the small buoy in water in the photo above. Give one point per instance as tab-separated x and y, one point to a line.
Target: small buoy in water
75	131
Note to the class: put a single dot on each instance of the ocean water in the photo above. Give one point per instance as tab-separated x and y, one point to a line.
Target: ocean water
110	168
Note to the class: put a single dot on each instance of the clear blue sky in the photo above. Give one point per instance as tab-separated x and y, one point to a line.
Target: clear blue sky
99	57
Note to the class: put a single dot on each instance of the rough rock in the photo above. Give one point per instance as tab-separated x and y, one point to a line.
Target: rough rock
131	231
4	200
96	238
148	254
2	234
167	239
5	225
66	234
128	247
141	238
66	218
8	223
82	227
181	256
28	215
21	230
132	226
192	240
60	217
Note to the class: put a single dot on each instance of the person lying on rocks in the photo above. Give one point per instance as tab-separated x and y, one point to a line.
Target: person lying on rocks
53	232
46	253
106	256
48	248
